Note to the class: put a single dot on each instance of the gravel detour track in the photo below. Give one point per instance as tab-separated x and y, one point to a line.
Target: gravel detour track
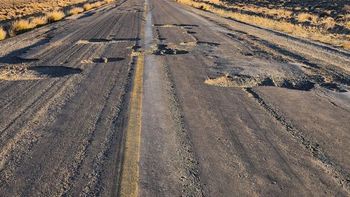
228	109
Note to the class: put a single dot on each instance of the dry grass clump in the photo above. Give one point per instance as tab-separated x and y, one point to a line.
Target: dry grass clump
38	21
87	6
347	24
2	34
22	25
55	16
328	22
346	45
306	17
76	10
97	4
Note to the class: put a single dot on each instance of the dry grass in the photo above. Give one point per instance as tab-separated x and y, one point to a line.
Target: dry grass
76	10
2	34
38	21
306	17
87	6
22	25
97	4
347	24
55	16
346	45
313	33
328	22
15	9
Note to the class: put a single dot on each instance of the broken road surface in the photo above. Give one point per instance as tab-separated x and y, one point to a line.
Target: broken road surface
154	98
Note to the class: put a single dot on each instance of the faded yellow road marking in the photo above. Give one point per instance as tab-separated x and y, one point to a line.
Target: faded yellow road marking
130	169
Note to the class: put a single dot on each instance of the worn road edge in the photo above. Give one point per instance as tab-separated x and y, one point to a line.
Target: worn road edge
130	168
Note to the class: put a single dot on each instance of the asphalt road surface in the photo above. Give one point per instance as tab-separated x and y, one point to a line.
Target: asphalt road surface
153	98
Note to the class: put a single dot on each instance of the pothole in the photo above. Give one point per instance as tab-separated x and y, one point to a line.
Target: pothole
26	60
191	32
212	44
102	60
20	72
163	49
174	25
334	87
246	81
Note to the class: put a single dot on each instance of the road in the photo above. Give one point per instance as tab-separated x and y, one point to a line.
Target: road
154	98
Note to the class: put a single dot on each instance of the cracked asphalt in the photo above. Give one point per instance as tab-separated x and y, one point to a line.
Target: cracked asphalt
154	98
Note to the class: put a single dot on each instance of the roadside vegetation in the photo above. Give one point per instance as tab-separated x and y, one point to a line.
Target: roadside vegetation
2	33
55	16
18	26
17	9
76	10
327	26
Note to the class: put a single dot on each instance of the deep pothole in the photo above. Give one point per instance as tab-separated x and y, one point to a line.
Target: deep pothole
20	72
102	60
163	49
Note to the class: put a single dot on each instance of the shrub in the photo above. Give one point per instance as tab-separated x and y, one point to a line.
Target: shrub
347	24
38	21
306	17
2	33
76	10
328	22
97	4
21	25
55	16
87	6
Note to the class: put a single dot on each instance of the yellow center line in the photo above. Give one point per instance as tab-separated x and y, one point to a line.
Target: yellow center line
130	168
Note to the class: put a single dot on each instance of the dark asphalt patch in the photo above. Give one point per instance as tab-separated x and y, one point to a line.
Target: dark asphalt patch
106	60
163	49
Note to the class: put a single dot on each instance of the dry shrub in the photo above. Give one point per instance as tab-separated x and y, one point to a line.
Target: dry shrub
306	17
55	16
328	22
87	6
2	33
108	1
22	25
347	24
97	4
76	10
38	21
346	45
